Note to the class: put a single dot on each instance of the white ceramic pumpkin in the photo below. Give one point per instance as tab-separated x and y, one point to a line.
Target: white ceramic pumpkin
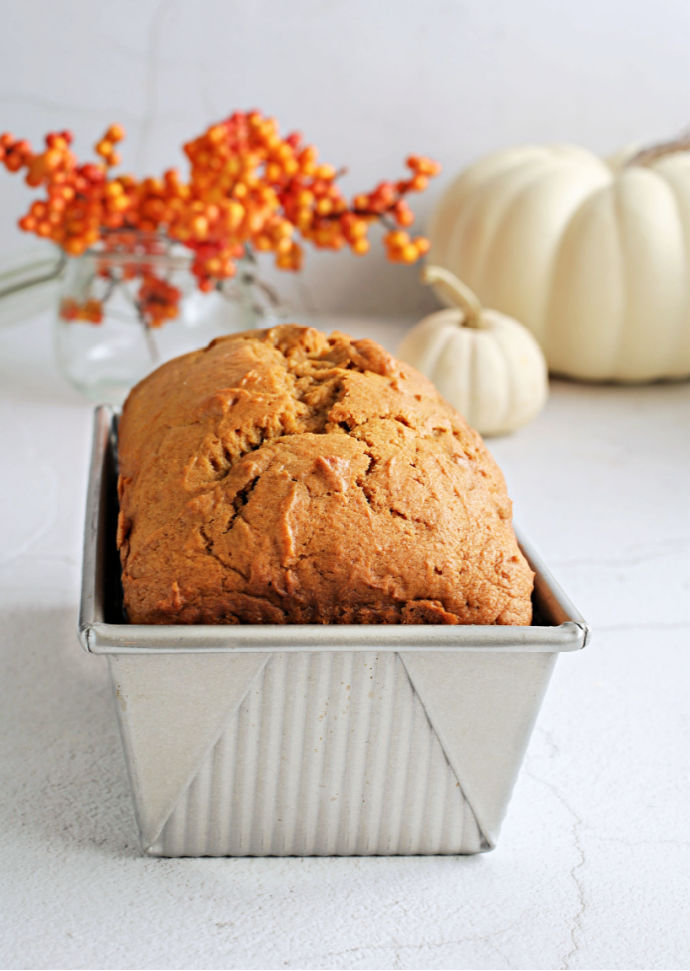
593	256
485	364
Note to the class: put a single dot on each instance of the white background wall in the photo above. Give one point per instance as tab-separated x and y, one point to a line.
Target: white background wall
367	81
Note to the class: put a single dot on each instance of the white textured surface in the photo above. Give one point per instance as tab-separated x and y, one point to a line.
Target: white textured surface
592	866
367	82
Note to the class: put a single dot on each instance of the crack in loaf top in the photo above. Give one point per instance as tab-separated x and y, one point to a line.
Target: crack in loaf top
283	476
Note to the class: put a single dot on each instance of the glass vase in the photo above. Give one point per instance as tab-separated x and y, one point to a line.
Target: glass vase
130	304
29	281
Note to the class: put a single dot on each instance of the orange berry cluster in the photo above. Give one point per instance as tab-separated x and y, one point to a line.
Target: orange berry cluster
158	300
90	311
248	189
72	213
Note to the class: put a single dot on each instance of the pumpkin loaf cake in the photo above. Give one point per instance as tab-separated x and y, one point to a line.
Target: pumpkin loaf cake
284	476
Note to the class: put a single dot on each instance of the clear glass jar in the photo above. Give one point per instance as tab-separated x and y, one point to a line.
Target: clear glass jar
106	338
29	281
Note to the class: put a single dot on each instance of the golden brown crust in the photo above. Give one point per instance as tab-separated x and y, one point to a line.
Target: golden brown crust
283	476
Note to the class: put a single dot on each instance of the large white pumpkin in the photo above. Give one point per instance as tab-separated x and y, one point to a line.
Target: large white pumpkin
592	255
484	363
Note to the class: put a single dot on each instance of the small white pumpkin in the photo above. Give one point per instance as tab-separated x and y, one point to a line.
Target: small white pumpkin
485	364
592	255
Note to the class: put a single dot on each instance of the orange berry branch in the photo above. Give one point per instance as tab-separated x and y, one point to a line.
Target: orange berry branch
248	189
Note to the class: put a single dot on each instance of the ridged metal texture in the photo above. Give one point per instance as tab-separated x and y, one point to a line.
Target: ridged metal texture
328	754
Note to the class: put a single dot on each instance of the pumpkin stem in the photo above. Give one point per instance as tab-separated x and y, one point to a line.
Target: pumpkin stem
457	292
652	152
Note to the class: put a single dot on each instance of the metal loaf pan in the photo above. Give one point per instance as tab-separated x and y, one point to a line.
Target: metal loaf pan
262	740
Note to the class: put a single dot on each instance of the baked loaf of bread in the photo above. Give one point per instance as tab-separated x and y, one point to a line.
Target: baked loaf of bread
283	476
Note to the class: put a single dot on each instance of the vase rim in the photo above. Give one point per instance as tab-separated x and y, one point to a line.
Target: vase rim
130	244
